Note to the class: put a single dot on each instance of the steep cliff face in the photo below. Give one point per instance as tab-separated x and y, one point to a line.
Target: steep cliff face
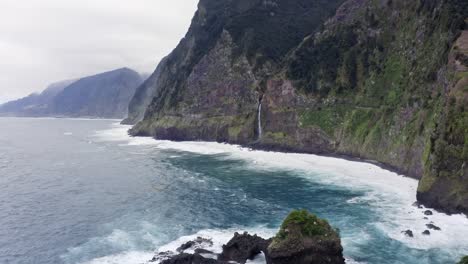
376	79
105	95
210	85
445	181
143	96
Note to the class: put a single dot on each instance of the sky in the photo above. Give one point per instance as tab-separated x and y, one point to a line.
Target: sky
45	41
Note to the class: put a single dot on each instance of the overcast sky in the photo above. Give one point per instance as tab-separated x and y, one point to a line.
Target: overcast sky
44	41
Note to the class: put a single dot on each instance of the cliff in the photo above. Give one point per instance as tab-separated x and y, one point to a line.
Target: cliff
35	104
383	80
104	95
143	96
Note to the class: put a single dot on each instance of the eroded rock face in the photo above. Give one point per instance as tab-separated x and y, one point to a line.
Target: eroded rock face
302	239
244	247
219	101
143	96
198	244
211	85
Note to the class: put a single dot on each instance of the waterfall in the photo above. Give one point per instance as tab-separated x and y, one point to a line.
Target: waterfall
260	119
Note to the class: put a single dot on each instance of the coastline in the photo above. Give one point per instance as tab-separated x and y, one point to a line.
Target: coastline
343	156
389	194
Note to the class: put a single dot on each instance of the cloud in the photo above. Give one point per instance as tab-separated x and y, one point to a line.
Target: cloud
42	41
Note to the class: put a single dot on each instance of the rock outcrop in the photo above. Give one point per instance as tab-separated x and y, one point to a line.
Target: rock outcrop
244	247
303	239
378	80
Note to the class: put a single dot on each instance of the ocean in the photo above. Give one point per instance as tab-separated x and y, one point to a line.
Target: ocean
83	191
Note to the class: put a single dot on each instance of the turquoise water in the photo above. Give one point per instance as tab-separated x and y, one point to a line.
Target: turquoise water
74	191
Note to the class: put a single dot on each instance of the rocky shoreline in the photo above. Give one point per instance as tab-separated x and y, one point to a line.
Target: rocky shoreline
302	239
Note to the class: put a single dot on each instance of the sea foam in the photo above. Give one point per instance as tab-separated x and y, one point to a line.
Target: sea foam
390	194
134	257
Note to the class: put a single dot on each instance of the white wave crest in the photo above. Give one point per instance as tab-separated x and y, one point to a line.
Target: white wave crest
133	257
390	194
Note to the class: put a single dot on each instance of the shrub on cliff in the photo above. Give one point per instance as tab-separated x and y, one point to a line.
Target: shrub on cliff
310	225
464	260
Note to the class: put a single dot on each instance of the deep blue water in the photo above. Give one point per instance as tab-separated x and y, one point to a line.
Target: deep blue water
69	196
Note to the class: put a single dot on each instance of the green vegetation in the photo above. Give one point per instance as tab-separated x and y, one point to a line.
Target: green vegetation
464	260
328	119
310	225
266	30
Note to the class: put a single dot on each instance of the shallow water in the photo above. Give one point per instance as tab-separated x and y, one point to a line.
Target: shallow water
74	191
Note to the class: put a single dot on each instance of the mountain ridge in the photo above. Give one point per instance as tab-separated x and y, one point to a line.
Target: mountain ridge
103	95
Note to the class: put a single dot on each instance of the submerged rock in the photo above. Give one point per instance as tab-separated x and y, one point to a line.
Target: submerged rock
303	239
428	212
198	243
203	251
161	256
408	233
433	227
426	232
184	258
244	247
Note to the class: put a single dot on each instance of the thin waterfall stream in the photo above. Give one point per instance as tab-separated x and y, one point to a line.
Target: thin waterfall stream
260	119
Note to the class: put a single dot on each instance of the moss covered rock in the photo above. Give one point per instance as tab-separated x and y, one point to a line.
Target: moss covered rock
303	239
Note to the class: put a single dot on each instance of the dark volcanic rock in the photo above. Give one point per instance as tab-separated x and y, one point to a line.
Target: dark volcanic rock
243	247
433	227
408	233
191	259
161	256
203	251
428	212
302	239
426	232
199	242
